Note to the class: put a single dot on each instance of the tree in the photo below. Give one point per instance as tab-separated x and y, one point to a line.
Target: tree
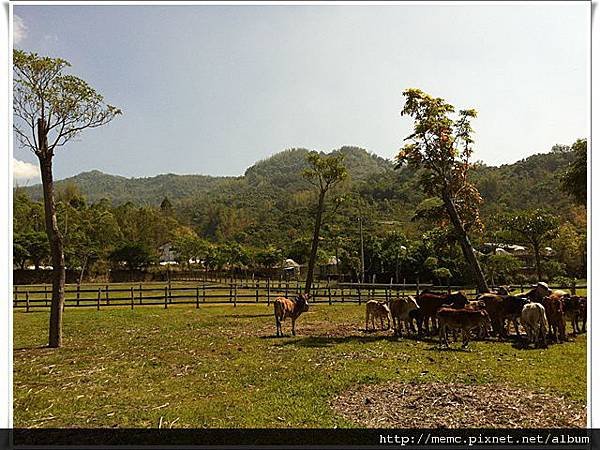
20	253
36	245
50	109
133	254
166	206
324	172
574	180
502	267
443	147
535	227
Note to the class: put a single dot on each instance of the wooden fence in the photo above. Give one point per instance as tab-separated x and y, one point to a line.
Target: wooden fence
242	292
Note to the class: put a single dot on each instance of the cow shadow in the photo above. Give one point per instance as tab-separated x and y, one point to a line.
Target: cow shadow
364	338
250	316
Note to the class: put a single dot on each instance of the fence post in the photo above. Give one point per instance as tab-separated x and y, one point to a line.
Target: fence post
359	300
98	299
204	293
140	293
106	294
343	295
197	297
45	295
230	292
78	293
166	296
16	295
287	285
417	286
573	288
257	285
235	295
131	297
268	291
27	301
329	293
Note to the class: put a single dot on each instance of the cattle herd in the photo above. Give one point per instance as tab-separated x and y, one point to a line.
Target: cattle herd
542	312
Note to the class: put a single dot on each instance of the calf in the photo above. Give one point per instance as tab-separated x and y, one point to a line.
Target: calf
377	310
284	308
463	319
534	320
555	313
400	310
430	303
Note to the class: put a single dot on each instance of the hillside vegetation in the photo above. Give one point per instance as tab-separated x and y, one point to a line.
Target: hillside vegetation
268	212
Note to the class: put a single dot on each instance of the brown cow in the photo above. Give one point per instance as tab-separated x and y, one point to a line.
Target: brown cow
400	310
429	304
572	309
501	308
463	319
284	308
555	313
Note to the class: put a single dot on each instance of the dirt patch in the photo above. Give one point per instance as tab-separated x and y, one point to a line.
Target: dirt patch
439	405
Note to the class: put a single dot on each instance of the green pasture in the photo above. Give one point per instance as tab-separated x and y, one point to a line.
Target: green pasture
220	366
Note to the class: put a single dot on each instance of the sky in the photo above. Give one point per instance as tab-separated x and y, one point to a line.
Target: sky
209	89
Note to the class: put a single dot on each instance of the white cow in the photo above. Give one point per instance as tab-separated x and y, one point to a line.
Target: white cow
377	310
533	318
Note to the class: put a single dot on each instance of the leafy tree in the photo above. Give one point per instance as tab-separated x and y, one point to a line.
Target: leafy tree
502	267
20	253
574	181
189	246
443	147
50	109
269	257
570	247
166	206
133	255
36	245
324	172
534	227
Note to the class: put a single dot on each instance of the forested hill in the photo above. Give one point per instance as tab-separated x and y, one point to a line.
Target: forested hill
282	170
529	183
96	185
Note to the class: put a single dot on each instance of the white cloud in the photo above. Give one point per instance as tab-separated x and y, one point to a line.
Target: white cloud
19	29
24	171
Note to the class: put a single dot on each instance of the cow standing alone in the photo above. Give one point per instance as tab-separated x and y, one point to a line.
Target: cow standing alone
284	308
377	310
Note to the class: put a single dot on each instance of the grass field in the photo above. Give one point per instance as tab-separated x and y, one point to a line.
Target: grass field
220	366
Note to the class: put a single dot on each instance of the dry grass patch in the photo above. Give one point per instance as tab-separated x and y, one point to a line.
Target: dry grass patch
435	405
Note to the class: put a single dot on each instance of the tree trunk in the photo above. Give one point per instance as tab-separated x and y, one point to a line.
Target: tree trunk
465	243
83	269
315	243
538	265
55	239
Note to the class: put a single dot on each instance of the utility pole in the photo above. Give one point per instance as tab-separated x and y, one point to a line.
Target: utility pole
362	252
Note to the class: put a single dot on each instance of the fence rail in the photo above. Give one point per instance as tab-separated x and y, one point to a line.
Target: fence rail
263	291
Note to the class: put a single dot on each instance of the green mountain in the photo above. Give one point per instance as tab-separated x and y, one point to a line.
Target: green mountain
272	192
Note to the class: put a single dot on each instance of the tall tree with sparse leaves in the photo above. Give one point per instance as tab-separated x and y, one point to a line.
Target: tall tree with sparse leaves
324	172
51	108
442	146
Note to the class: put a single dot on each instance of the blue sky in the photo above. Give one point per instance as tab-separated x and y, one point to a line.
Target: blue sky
212	89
